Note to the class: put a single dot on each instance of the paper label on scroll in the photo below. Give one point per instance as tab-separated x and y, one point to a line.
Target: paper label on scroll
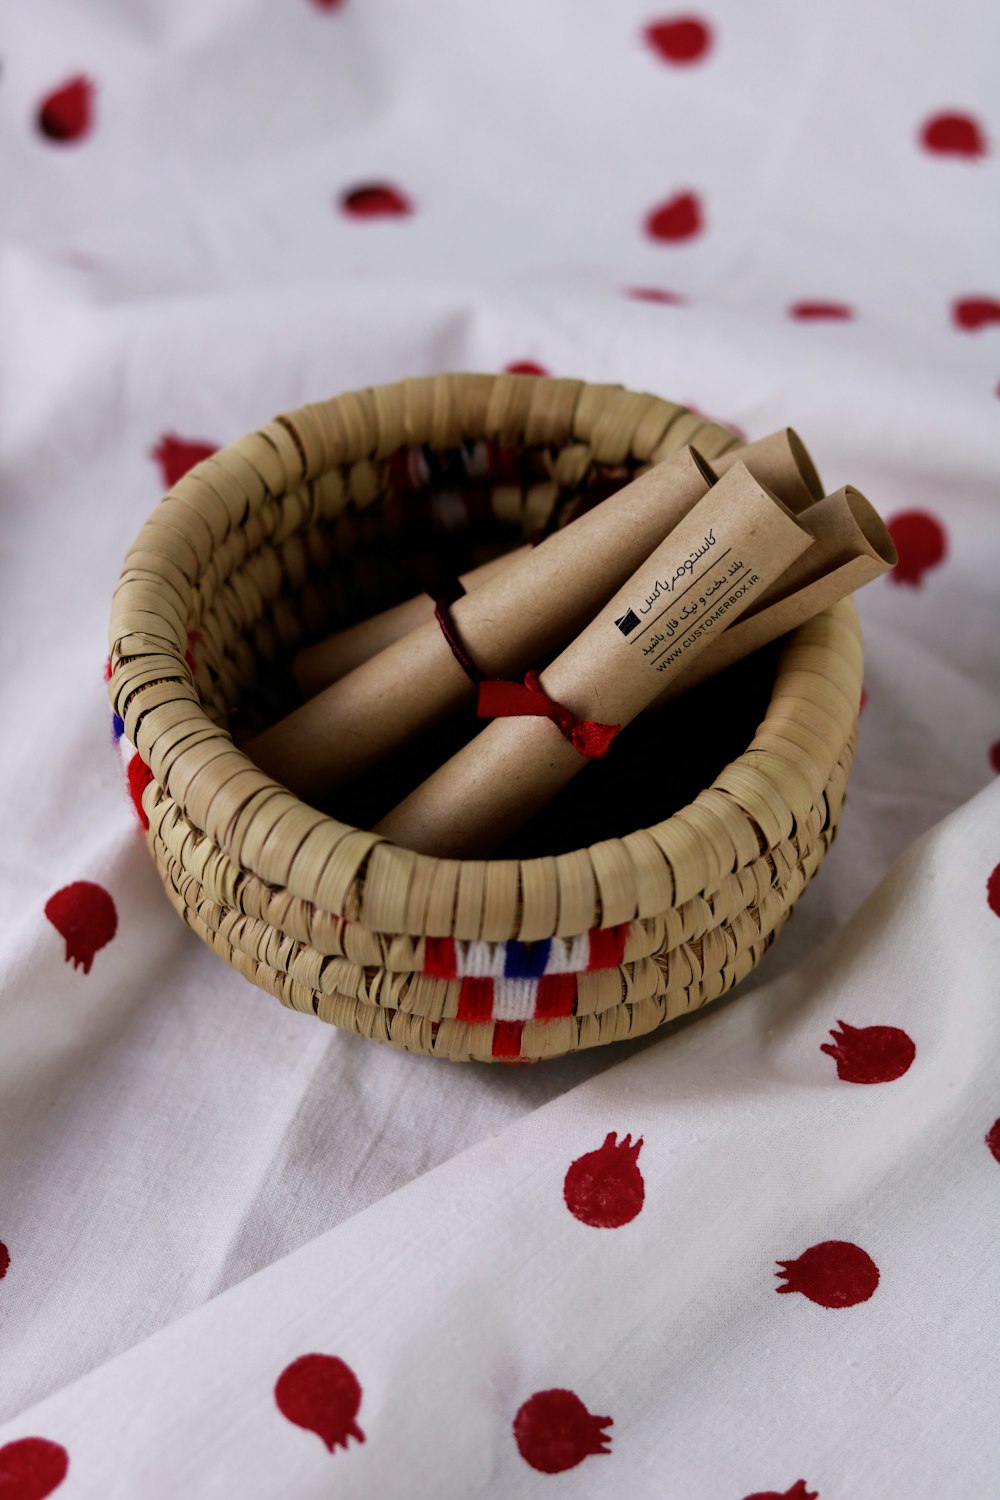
851	547
714	565
683	614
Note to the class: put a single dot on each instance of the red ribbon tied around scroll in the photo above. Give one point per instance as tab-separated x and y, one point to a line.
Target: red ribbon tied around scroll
505	700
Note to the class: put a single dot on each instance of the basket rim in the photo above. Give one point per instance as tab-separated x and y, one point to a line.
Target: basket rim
317	857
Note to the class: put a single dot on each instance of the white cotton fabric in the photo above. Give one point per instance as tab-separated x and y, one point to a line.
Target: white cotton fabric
456	1298
168	1133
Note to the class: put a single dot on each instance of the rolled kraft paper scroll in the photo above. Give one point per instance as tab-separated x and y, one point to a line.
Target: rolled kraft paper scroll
518	615
852	546
711	567
780	462
317	666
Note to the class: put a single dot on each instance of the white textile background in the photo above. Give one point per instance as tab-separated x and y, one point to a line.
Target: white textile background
184	252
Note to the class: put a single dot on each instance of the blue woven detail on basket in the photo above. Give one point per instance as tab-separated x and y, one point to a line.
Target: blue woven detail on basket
526	960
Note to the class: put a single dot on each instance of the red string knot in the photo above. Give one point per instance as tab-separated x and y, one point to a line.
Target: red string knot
503	700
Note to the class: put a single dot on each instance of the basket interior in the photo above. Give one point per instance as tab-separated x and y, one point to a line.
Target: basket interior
426	514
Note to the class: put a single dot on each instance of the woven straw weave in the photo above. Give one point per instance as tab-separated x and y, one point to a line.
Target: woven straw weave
269	543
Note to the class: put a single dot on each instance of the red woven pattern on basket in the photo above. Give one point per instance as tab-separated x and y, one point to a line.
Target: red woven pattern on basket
545	999
601	948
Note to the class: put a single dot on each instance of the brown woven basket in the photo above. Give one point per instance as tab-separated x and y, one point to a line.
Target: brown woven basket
298	528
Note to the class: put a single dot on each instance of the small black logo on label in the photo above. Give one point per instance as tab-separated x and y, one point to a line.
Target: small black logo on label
628	622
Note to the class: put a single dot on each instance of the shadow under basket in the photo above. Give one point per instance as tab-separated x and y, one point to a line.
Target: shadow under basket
329	514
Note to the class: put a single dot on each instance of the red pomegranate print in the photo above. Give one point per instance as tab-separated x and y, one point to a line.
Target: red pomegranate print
554	1431
993	892
84	914
953	135
322	1394
655	294
80	260
4	1260
31	1468
679	218
870	1054
993	1139
995	755
815	312
375	200
328	4
834	1273
682	39
921	544
139	776
973	313
526	367
798	1491
67	113
605	1188
864	699
176	455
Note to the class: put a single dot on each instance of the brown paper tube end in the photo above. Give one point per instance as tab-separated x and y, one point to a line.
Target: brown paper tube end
780	461
736	478
878	541
703	466
804	464
723	462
